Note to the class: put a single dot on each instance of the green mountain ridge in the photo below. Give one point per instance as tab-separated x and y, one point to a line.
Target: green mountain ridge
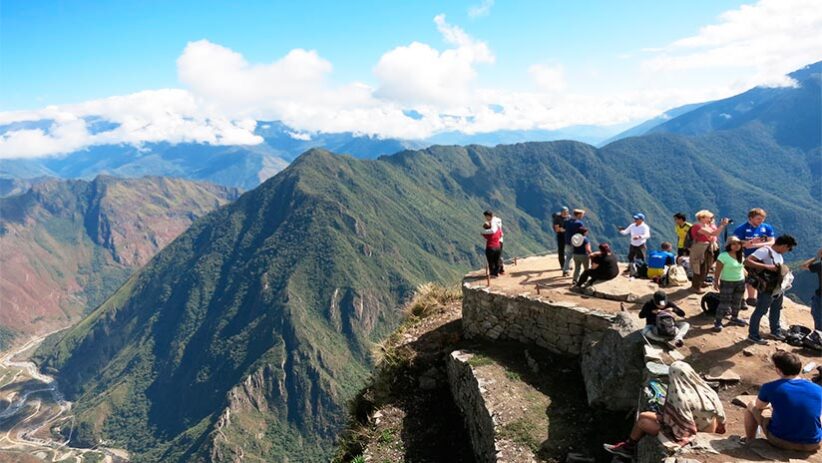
248	334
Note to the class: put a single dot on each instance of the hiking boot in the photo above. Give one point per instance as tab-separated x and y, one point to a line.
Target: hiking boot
717	327
778	335
757	340
750	301
625	449
737	322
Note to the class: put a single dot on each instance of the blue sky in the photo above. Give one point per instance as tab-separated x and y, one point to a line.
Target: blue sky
361	65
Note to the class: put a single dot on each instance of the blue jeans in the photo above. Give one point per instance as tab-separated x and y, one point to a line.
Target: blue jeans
816	312
763	303
569	253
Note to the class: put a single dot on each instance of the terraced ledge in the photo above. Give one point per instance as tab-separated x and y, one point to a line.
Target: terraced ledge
480	387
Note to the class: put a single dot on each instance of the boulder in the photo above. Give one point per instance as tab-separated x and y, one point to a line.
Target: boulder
612	364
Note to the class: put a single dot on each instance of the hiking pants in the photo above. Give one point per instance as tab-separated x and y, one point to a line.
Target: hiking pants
569	252
731	298
636	252
763	303
816	312
561	249
596	275
681	330
493	256
580	260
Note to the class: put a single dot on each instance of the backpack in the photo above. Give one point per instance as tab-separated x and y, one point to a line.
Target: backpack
766	281
813	340
656	393
665	324
677	276
638	269
709	303
796	335
689	238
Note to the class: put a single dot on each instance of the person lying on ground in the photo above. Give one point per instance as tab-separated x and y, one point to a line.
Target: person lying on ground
660	321
691	406
795	405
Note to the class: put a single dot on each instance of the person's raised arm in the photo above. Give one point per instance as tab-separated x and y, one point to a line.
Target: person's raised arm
626	230
753	262
722	224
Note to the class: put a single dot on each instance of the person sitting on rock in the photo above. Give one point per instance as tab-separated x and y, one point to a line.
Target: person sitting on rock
795	405
691	406
660	261
660	323
604	267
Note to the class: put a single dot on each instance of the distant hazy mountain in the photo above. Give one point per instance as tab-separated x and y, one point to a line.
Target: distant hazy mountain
646	126
67	245
593	135
791	114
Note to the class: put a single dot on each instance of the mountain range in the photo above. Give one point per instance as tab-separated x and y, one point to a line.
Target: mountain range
66	245
247	335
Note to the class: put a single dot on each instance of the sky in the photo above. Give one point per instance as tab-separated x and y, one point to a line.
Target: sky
205	71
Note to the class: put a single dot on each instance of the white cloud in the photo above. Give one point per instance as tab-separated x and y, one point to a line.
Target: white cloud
421	90
418	74
483	9
548	78
769	39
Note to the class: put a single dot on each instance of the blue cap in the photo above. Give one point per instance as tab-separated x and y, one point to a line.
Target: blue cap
639	216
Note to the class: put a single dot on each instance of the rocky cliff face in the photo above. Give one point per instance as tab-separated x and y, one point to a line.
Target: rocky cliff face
66	245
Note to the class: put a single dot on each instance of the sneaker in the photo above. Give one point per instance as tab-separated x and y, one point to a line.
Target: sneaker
738	322
624	449
717	327
778	335
502	272
679	343
757	340
750	301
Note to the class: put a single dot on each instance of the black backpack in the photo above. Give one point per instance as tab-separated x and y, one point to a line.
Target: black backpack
665	324
709	303
638	269
796	335
689	238
813	340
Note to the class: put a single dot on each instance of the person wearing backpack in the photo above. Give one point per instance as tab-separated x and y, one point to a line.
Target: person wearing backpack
582	249
571	227
660	322
682	229
729	280
814	265
767	268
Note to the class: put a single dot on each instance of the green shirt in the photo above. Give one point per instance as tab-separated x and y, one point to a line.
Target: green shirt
732	270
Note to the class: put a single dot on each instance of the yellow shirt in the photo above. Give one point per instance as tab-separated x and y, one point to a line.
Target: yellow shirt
681	232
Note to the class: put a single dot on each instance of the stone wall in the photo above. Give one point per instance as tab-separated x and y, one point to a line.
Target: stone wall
467	393
560	327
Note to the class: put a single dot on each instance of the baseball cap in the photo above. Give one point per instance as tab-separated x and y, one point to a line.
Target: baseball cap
639	216
660	298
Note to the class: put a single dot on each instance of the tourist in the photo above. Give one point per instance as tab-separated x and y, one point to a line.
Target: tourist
559	219
704	234
691	406
814	265
640	232
767	265
681	227
571	227
755	234
604	267
795	404
493	255
660	324
582	249
496	223
660	261
729	280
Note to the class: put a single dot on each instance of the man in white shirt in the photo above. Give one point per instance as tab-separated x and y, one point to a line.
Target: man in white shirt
640	232
769	261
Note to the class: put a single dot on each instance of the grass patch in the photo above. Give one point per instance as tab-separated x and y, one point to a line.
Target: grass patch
520	432
512	375
386	436
430	299
479	360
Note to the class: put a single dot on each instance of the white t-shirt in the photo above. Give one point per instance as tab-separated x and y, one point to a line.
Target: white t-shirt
639	233
765	257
